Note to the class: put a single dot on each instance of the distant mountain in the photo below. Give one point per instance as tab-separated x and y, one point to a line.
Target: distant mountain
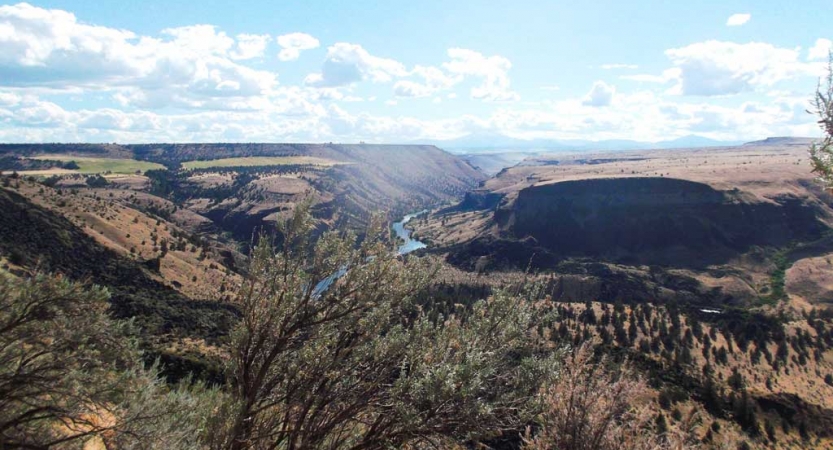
692	141
492	163
783	140
498	143
485	142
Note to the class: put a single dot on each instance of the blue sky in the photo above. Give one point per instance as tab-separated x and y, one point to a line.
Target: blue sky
398	71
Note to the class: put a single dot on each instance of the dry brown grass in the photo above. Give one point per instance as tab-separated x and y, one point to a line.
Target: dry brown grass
255	161
283	184
211	179
811	279
765	171
111	218
591	406
452	228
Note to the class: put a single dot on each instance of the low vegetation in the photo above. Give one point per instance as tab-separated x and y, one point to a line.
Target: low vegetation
258	161
325	337
354	364
357	365
590	407
95	165
69	374
11	163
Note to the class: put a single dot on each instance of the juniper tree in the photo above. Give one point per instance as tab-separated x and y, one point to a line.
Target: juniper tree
821	153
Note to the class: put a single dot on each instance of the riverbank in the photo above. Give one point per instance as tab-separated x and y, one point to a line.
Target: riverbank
409	244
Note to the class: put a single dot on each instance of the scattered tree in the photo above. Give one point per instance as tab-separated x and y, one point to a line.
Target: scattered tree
821	153
593	407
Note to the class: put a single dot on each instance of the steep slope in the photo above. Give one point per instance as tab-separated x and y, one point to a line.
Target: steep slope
655	220
426	168
733	220
492	163
242	187
34	237
370	177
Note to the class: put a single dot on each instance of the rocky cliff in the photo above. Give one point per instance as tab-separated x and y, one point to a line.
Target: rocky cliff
655	220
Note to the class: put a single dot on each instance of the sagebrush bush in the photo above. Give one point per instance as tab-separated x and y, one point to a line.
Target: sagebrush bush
356	364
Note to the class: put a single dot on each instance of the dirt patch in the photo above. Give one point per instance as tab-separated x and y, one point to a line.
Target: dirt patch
280	184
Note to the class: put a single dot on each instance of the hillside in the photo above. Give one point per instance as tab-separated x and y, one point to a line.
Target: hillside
720	217
242	187
706	267
492	163
664	221
711	267
167	227
178	325
727	245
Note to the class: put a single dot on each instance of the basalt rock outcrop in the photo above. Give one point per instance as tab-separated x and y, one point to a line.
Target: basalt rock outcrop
653	221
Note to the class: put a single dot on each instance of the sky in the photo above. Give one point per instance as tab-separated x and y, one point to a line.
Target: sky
405	71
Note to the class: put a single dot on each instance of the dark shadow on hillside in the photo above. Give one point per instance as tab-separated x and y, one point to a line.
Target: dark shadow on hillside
660	221
32	236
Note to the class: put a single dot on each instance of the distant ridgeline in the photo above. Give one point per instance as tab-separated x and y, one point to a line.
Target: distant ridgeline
15	163
655	220
347	182
636	220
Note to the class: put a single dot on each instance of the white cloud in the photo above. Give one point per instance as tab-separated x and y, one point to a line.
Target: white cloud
641	115
666	76
350	63
250	46
193	84
821	50
601	94
647	116
722	68
201	39
347	64
434	77
328	94
293	44
190	66
114	119
38	46
285	120
493	70
36	113
434	80
9	99
736	20
407	88
618	66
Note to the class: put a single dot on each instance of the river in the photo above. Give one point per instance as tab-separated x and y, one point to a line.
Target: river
408	246
403	233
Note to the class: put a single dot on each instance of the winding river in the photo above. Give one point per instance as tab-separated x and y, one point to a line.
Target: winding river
403	233
408	246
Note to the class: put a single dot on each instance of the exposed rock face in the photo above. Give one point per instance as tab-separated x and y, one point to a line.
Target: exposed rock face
654	220
480	199
364	179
